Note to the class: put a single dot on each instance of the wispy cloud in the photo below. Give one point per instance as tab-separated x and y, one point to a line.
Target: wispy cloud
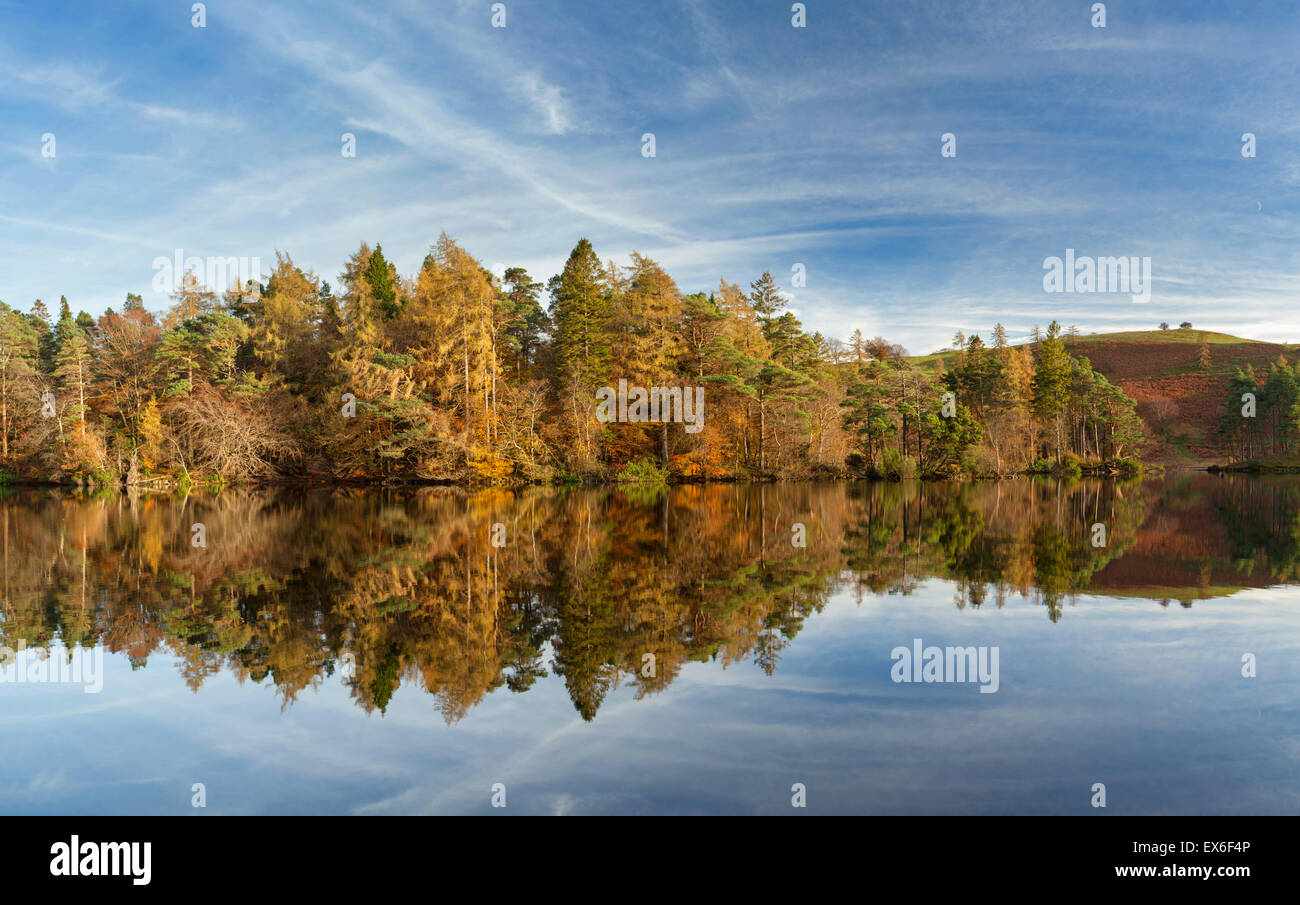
775	145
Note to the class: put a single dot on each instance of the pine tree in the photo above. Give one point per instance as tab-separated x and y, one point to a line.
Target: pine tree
1052	384
379	277
580	309
47	343
766	300
702	324
520	319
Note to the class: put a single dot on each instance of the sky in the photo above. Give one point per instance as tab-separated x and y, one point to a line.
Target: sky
775	146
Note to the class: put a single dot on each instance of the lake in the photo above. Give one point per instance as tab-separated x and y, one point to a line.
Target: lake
916	648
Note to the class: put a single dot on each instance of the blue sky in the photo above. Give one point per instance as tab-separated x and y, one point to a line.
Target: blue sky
774	146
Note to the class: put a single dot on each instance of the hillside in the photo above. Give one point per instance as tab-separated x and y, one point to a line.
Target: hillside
1178	401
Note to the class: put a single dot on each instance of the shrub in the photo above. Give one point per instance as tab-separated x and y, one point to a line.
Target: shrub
897	467
907	469
643	471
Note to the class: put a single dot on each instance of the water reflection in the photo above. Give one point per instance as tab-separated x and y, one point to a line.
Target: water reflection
602	588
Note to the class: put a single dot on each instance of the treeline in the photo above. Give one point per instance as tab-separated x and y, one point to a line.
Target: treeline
1008	409
1261	416
456	375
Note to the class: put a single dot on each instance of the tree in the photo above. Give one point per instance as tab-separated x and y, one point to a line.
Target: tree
286	339
702	323
128	371
82	450
201	351
1051	385
191	299
360	313
19	356
381	279
450	333
858	348
1239	430
769	385
766	300
149	433
72	368
39	318
975	376
521	322
580	310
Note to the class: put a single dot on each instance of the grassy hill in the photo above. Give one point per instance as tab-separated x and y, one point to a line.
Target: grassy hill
1180	402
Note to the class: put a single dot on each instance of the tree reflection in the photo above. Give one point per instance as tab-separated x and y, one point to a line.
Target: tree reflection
385	590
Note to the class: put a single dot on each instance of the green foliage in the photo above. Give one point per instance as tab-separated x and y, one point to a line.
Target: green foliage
380	277
642	471
1273	430
581	309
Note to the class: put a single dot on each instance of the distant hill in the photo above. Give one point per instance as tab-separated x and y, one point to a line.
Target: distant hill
1159	369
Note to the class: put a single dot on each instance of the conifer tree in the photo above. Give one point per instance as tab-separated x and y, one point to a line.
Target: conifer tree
581	312
1052	384
766	300
379	277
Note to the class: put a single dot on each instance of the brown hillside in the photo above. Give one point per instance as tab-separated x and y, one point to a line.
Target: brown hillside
1180	404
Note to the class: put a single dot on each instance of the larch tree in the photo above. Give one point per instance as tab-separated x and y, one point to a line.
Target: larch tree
18	360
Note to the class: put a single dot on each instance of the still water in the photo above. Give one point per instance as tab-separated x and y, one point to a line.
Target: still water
692	650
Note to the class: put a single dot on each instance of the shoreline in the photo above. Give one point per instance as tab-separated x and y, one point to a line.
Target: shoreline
175	487
323	482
